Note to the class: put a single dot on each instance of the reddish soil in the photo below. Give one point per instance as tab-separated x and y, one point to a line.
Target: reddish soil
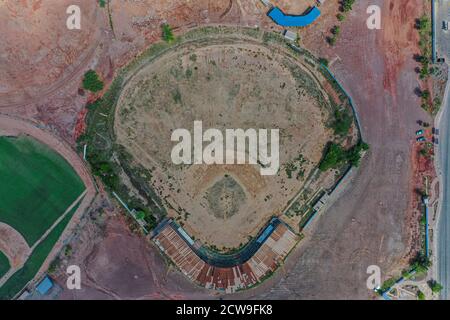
423	175
377	69
119	264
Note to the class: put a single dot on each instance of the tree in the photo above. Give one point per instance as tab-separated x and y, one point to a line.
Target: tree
332	40
140	215
342	122
421	263
425	94
334	156
92	82
323	61
340	17
167	33
435	286
354	154
424	24
420	295
336	30
347	5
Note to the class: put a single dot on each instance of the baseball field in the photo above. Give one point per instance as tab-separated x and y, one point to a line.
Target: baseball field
39	193
37	186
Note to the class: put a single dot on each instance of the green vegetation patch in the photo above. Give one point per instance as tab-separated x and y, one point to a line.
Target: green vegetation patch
109	160
167	33
343	121
21	278
92	82
336	156
37	186
4	264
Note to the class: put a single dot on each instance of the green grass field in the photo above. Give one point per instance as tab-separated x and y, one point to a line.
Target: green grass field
37	186
4	264
18	281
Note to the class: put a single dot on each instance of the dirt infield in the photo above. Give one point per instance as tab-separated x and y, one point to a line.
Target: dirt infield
12	127
237	77
13	245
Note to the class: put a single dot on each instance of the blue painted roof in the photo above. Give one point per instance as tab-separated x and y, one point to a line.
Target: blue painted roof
44	286
294	21
265	234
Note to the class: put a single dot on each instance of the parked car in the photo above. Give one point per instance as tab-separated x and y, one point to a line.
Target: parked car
419	132
421	139
445	25
436	131
436	141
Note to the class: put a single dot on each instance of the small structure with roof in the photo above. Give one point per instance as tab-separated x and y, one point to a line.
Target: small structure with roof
44	286
290	35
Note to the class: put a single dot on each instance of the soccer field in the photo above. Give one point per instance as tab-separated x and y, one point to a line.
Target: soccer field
37	186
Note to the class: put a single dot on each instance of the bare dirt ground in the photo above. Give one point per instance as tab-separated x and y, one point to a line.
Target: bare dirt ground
42	62
368	224
13	245
234	79
119	264
376	67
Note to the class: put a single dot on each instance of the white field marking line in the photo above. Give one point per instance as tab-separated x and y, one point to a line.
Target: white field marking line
12	271
58	220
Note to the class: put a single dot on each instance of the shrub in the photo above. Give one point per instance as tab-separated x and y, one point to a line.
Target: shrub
92	82
420	295
332	40
324	61
342	122
347	5
435	286
334	156
336	30
167	33
340	17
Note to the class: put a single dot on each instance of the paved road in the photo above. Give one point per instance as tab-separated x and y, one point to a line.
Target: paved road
443	50
444	217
